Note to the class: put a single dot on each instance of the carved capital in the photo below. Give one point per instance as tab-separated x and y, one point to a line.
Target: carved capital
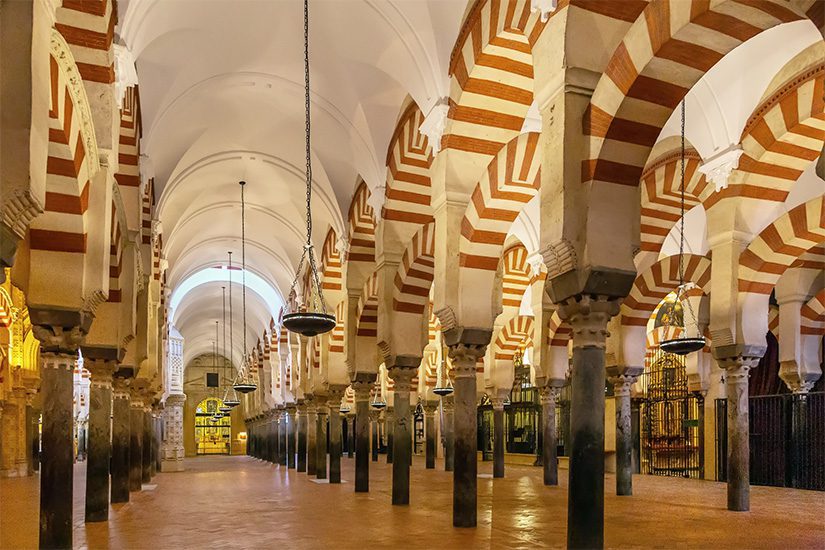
588	319
362	385
59	340
737	367
402	376
549	395
101	372
623	378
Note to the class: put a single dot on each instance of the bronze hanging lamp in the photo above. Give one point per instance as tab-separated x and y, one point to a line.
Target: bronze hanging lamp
230	400
447	388
684	343
301	319
378	401
244	382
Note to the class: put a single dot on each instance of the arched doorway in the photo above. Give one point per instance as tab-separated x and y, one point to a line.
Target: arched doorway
212	437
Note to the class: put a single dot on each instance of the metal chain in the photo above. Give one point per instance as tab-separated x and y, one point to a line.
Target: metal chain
223	345
243	270
231	324
682	189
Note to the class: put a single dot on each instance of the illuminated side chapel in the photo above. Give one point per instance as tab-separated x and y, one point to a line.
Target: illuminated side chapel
541	273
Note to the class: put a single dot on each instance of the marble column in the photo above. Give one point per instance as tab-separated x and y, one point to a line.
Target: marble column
737	369
100	433
362	433
312	434
290	436
375	415
585	498
302	437
58	352
429	433
153	440
158	439
283	437
321	440
550	461
498	436
121	428
172	452
622	379
464	355
402	374
336	392
351	436
389	421
448	408
273	454
146	463
136	442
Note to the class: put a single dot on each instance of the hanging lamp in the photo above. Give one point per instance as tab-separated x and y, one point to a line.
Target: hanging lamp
232	400
221	408
301	319
446	389
244	383
684	343
378	402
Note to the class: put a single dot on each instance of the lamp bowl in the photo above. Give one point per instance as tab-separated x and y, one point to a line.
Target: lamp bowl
245	387
379	405
309	324
683	346
231	403
443	391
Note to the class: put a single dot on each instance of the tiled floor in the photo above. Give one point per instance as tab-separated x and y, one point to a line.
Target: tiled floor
238	502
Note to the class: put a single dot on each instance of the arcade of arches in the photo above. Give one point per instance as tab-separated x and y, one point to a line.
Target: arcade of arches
507	196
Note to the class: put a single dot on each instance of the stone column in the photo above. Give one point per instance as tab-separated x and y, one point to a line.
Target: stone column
290	436
32	436
321	440
389	421
273	431
158	439
58	353
284	436
173	451
351	436
550	461
465	348
448	408
498	436
136	442
362	433
121	427
153	433
302	437
336	392
622	379
375	416
100	433
146	463
585	498
429	432
402	374
312	434
737	369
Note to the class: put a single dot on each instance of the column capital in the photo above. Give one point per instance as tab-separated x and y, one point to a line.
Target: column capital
402	374
102	372
498	403
334	395
588	317
362	385
549	395
465	348
623	378
175	399
737	366
60	331
448	403
430	407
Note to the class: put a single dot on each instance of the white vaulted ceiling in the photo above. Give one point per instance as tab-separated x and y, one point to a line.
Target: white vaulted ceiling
221	88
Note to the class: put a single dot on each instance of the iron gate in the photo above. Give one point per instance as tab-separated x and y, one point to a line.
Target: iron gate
671	420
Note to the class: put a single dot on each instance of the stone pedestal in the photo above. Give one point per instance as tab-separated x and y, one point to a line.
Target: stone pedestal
121	428
429	434
172	452
312	438
362	434
448	409
737	369
291	433
402	373
321	442
465	354
498	437
302	438
136	442
622	379
585	501
100	433
550	462
56	471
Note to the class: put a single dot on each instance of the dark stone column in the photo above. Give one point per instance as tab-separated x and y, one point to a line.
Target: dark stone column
321	442
282	438
31	434
498	437
302	438
550	461
374	423
736	377
136	443
336	392
351	436
34	437
312	437
448	407
120	441
273	454
429	433
622	379
585	498
146	465
389	421
100	450
58	357
362	434
153	439
465	348
290	437
799	431
402	373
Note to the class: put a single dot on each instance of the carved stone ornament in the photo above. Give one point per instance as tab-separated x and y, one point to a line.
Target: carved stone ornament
559	257
446	316
435	123
544	7
719	167
588	319
58	339
465	357
19	209
74	83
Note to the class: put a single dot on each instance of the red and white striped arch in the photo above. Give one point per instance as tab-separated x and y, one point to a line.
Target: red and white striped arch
516	333
512	178
665	52
5	309
330	262
780	244
430	364
367	313
559	331
89	27
516	276
409	158
813	315
491	69
115	256
361	227
411	292
336	336
659	280
128	173
434	326
781	139
661	207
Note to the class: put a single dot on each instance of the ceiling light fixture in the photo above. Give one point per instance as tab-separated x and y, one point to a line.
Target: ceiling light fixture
244	383
231	401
